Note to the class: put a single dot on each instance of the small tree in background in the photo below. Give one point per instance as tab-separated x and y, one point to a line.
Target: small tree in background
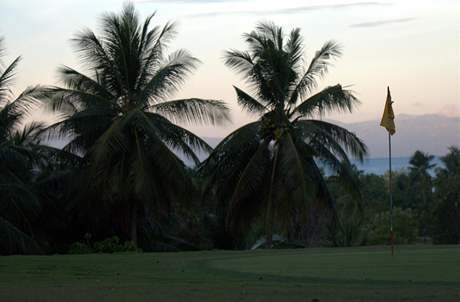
446	215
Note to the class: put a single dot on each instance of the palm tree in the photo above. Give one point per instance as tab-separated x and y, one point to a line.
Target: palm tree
269	168
18	203
419	167
118	116
420	163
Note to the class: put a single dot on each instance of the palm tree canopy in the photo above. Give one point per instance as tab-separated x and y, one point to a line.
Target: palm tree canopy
18	204
118	114
276	158
451	160
421	162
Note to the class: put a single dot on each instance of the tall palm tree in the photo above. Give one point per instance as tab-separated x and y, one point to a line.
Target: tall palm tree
269	168
118	115
18	203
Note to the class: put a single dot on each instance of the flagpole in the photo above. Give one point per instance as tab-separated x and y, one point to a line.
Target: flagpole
388	123
391	196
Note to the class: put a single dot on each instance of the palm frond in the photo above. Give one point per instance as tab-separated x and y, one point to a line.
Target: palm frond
169	77
114	140
316	184
193	110
248	102
96	57
222	168
236	145
317	68
171	170
316	129
71	101
82	127
77	81
241	61
13	113
244	63
294	47
247	197
342	169
6	76
30	133
333	98
152	47
178	138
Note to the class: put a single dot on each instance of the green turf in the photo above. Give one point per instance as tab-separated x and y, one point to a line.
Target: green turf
346	274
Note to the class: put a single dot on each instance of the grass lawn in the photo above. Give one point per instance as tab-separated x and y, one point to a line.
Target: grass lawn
415	273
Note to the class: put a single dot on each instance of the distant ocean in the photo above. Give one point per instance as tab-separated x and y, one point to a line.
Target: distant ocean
380	165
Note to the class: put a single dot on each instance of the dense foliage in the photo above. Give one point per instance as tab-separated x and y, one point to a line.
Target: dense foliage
120	183
426	200
19	153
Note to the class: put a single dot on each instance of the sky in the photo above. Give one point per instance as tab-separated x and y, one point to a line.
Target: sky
412	46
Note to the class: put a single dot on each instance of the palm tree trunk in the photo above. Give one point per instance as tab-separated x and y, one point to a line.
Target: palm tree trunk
270	214
133	222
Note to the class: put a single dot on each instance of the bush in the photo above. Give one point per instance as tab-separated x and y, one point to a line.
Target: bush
405	227
79	248
109	245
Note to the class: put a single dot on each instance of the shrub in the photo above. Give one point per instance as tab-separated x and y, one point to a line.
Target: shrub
113	245
79	248
108	245
405	227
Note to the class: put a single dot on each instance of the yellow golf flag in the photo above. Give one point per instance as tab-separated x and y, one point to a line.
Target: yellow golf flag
388	118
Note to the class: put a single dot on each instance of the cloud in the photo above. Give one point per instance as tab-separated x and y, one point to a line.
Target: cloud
290	10
382	22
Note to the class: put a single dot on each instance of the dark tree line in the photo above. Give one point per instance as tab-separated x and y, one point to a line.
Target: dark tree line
426	199
119	183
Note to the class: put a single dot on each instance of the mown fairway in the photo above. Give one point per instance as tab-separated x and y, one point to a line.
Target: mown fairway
348	274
